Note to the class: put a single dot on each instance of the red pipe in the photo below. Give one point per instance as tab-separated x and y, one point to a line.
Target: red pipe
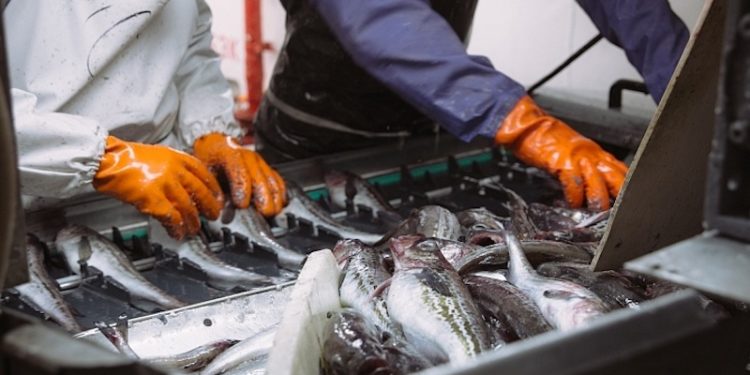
254	48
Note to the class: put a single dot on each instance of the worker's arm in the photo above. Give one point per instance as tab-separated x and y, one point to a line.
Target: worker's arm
58	153
651	34
413	51
207	122
206	103
61	155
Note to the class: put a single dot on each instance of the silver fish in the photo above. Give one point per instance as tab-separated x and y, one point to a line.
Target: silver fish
431	303
537	251
613	288
521	223
564	304
252	367
252	225
480	218
353	345
432	222
80	244
514	315
302	207
453	251
192	360
253	348
363	271
42	291
220	274
346	186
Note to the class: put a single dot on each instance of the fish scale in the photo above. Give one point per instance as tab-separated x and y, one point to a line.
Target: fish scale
362	274
444	321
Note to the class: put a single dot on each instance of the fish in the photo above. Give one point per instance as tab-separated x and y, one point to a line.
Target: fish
42	290
256	367
252	225
453	251
354	345
548	219
255	348
346	187
80	245
195	359
479	219
565	305
565	224
514	315
536	251
614	289
192	360
430	302
362	272
430	221
522	225
220	274
302	207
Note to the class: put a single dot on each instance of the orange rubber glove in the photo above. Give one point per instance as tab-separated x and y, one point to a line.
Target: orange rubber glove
546	142
250	178
167	184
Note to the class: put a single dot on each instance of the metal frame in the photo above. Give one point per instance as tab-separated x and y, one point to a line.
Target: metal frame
728	196
717	261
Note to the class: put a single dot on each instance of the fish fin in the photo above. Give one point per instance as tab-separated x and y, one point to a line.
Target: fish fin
381	288
560	294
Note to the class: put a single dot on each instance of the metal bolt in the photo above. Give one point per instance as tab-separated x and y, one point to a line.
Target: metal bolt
733	184
738	131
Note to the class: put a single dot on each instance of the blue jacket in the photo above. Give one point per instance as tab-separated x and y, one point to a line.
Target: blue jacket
413	51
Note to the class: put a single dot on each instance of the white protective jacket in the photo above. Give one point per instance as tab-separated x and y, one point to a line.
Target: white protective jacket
140	70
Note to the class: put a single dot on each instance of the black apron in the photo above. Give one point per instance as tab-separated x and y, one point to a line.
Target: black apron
319	101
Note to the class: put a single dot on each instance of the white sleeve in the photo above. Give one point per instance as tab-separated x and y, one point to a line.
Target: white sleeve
58	154
206	103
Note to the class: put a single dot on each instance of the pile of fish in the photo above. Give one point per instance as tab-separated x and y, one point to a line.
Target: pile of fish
445	287
437	287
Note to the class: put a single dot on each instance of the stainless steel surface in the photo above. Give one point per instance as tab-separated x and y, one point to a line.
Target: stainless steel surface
715	265
234	317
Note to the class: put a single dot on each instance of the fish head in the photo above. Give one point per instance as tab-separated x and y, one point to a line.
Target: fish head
414	251
346	249
485	237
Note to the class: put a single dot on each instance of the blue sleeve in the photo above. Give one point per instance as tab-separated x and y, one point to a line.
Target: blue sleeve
413	51
651	34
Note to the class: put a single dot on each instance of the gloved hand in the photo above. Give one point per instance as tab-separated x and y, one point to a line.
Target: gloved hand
250	178
167	184
546	142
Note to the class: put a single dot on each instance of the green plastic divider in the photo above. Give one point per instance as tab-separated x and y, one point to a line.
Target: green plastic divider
137	233
417	172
